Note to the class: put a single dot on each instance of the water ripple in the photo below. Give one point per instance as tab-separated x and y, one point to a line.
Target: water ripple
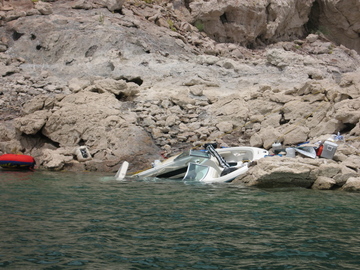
80	221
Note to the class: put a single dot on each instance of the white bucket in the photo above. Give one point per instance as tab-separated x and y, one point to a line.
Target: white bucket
276	146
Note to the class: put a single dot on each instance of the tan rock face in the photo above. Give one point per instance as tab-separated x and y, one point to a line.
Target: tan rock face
18	5
353	184
127	83
321	174
96	120
339	21
252	23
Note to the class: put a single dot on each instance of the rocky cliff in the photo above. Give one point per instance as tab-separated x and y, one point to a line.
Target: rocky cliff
132	80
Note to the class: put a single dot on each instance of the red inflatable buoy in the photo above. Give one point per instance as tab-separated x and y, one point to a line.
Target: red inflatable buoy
17	162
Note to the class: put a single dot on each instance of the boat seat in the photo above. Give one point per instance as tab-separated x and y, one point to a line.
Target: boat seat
231	159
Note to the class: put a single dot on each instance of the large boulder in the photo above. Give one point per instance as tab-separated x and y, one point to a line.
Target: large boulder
279	172
96	120
352	184
261	22
338	20
302	172
251	22
111	5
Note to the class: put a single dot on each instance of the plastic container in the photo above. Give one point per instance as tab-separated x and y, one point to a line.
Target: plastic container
290	152
83	153
329	149
276	146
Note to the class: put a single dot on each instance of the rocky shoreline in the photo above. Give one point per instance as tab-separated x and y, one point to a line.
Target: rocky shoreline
138	81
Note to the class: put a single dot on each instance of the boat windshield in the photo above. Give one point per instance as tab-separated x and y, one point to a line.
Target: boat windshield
193	153
196	172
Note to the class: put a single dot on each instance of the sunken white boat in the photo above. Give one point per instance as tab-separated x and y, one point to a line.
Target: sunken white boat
209	165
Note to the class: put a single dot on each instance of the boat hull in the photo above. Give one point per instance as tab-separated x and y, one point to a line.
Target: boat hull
199	165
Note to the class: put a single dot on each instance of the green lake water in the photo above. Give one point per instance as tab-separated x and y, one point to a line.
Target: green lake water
58	220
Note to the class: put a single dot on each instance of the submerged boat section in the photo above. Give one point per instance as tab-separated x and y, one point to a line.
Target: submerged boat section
210	165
